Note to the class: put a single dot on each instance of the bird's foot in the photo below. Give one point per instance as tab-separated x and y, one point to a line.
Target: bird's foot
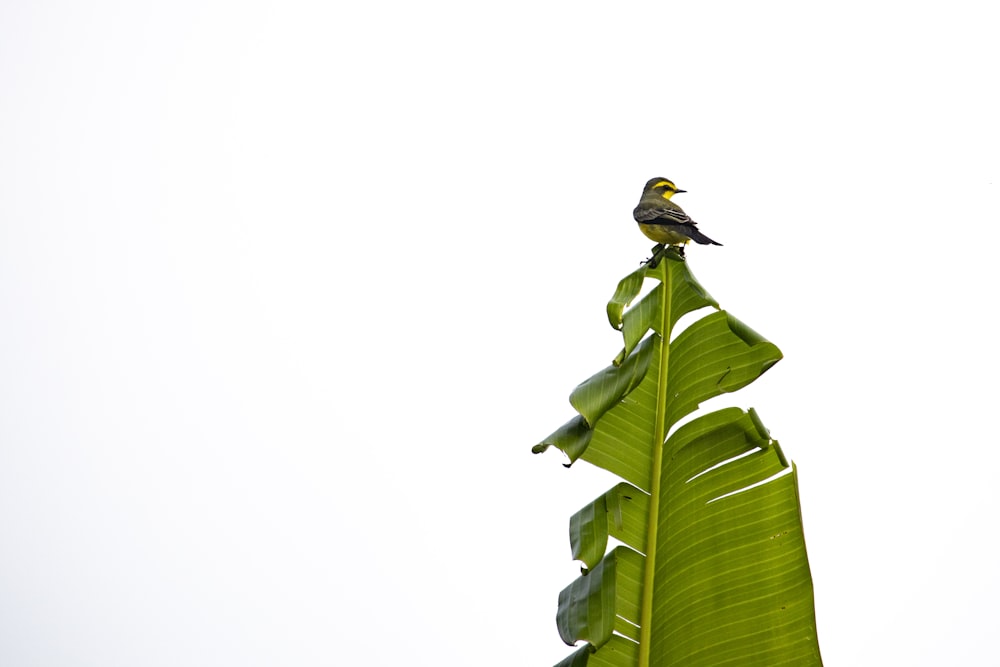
658	251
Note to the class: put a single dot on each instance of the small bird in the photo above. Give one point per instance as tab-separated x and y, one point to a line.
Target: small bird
664	221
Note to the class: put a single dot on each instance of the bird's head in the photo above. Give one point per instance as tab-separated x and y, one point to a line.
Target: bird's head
664	187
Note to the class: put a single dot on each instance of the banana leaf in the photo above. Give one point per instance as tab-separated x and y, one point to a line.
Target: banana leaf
711	566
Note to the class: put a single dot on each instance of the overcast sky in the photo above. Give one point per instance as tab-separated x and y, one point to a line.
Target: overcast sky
289	290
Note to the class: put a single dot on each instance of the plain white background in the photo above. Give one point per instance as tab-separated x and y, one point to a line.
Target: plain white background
289	290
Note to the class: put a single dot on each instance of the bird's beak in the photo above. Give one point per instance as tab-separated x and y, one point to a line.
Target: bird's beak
679	191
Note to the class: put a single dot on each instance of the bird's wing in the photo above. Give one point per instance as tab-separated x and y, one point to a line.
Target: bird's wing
662	215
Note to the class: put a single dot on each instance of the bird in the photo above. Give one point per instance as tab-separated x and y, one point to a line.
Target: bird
664	221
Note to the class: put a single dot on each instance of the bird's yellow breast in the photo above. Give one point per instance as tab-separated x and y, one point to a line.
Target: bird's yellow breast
666	234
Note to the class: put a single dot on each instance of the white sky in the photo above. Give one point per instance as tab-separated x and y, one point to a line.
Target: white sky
289	290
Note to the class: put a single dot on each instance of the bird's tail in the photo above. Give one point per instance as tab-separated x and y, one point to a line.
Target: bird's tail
698	237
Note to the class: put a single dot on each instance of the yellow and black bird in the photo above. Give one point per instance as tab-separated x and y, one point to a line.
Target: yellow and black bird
664	221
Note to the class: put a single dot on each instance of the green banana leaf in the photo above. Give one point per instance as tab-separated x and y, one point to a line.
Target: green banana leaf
712	567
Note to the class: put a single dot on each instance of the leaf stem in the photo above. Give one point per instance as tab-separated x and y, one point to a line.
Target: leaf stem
659	435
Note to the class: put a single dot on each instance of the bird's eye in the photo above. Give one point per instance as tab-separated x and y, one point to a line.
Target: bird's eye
666	183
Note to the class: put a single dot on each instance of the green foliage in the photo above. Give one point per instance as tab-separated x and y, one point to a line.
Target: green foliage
712	567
